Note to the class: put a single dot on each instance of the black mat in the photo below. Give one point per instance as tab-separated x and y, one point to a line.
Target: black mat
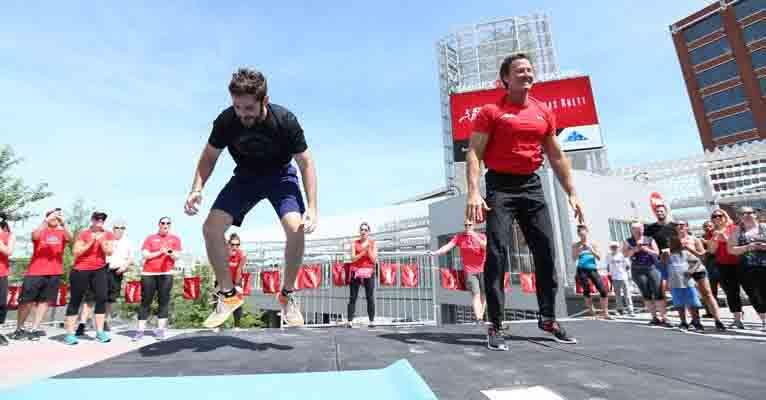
612	360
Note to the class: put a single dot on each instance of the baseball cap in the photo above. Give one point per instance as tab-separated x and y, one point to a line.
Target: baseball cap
98	215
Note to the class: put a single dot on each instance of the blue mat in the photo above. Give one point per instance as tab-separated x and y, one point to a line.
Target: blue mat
397	381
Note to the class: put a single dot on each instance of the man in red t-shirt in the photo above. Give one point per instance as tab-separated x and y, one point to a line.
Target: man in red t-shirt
41	281
511	137
90	250
473	252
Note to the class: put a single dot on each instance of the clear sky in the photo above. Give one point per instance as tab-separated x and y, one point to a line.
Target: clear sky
113	102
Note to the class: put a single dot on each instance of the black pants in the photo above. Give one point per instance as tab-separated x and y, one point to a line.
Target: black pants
83	281
520	197
159	285
369	287
731	281
755	287
585	275
3	299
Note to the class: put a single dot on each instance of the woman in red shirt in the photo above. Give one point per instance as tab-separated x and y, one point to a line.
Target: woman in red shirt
364	255
237	261
7	243
726	263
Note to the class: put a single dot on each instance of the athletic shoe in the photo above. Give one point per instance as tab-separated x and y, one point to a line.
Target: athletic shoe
159	334
683	326
225	306
138	336
18	334
698	325
102	337
720	326
33	336
291	313
737	325
80	330
371	325
495	339
665	324
40	332
558	332
70	340
3	340
607	317
655	322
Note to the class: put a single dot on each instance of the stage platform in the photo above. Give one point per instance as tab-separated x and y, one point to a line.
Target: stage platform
612	360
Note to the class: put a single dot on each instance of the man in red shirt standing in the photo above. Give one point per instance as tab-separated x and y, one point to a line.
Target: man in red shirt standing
41	281
473	252
90	250
511	136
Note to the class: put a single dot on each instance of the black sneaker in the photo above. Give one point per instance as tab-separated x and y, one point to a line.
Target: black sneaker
39	333
698	325
558	332
666	324
737	325
655	322
80	330
3	340
33	336
18	334
720	326
495	339
683	326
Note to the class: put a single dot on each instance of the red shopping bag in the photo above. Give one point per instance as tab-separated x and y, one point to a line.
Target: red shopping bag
606	280
60	296
191	287
13	297
133	292
528	282
388	274
448	278
270	282
409	275
341	274
309	277
247	283
507	282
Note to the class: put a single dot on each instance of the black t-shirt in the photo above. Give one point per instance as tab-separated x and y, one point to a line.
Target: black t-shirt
660	233
266	147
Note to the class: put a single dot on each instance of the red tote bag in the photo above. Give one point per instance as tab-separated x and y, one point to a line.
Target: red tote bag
133	292
60	296
388	274
247	283
448	278
270	282
528	282
507	282
309	277
409	275
192	286
13	297
341	274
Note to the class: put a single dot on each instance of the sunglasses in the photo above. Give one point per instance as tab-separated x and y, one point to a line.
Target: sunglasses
748	212
99	219
234	244
164	223
364	230
119	228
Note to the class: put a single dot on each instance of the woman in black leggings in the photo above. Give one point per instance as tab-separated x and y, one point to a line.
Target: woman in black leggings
726	263
7	243
749	242
364	255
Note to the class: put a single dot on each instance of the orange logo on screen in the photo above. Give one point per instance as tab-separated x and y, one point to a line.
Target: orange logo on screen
655	199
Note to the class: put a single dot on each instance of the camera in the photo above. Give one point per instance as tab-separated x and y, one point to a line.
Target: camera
170	251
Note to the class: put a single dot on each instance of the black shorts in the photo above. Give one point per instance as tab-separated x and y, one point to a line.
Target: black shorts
39	289
113	288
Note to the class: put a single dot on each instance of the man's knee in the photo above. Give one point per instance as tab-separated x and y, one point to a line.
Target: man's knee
216	224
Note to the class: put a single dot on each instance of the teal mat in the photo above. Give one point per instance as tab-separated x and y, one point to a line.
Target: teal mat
397	381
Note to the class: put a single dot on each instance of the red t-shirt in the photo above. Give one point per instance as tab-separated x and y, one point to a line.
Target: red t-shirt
4	264
48	253
470	251
234	261
722	255
163	263
93	257
516	135
365	261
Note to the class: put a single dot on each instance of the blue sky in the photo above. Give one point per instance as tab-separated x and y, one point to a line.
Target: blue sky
114	102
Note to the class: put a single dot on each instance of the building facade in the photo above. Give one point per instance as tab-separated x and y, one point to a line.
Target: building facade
722	52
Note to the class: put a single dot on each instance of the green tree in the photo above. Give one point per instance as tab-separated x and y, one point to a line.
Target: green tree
15	195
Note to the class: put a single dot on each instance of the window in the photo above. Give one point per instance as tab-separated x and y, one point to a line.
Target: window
710	50
717	74
745	8
759	58
732	124
619	230
754	31
702	28
763	86
726	98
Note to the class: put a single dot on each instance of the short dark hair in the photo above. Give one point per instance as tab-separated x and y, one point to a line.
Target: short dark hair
365	224
234	236
4	222
582	228
248	81
167	218
505	67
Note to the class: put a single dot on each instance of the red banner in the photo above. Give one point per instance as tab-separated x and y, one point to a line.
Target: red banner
571	99
507	282
528	282
341	274
309	277
409	275
270	282
452	279
60	296
13	297
192	286
388	274
133	292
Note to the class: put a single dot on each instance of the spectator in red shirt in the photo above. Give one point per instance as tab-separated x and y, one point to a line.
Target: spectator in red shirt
41	281
7	243
364	255
511	136
473	252
237	262
92	247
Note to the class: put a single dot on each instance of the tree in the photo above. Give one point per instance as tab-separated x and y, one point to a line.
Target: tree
15	196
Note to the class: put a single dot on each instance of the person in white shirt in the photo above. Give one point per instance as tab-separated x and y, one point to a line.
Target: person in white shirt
118	263
619	269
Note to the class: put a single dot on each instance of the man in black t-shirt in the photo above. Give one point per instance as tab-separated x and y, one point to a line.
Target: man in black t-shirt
660	231
263	139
